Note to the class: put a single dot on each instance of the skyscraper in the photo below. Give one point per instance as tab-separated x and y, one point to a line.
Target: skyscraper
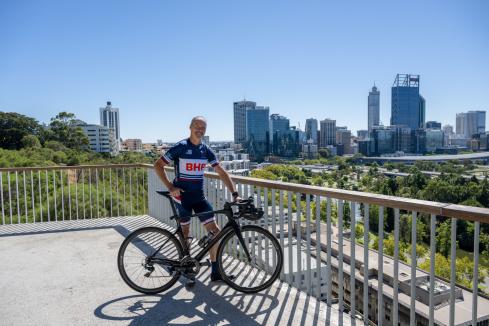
343	138
433	125
279	123
327	133
240	120
257	131
312	130
109	117
470	123
373	108
407	106
279	127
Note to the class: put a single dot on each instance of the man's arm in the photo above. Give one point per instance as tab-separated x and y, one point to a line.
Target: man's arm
224	175
160	171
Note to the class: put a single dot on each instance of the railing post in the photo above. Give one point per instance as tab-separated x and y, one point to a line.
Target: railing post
453	257
432	268
329	241
366	240
412	318
380	292
340	255
475	288
395	306
1	198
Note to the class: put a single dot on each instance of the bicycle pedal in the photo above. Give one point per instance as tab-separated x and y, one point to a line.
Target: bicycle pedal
207	263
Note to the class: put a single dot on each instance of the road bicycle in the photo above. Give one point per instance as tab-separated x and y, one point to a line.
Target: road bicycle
249	257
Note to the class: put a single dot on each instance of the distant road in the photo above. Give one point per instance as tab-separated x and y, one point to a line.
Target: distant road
431	158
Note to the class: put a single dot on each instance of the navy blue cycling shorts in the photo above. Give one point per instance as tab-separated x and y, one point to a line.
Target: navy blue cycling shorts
191	201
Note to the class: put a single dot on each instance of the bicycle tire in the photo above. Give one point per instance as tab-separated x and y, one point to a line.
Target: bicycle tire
232	281
176	250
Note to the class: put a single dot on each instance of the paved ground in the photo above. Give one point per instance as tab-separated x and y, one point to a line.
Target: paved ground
65	273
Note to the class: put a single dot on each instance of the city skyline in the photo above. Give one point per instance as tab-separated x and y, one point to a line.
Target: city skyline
169	62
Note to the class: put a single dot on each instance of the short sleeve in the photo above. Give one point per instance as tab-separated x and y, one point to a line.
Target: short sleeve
171	154
211	157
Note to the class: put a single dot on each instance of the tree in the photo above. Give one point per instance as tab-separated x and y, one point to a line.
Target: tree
443	238
13	127
30	141
263	174
65	130
464	269
324	153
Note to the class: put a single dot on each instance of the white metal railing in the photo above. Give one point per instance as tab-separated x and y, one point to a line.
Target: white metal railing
314	225
33	195
316	228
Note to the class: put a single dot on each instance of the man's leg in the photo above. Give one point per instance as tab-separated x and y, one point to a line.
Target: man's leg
209	222
214	228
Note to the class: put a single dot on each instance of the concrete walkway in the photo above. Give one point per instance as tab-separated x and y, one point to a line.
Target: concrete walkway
65	273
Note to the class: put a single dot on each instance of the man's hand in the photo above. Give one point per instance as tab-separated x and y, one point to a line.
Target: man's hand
175	191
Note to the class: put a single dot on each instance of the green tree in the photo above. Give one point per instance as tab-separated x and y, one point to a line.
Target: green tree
443	238
263	174
30	141
324	153
13	128
64	127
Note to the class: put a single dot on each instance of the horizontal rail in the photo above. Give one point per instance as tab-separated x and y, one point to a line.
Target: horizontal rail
476	214
74	167
469	213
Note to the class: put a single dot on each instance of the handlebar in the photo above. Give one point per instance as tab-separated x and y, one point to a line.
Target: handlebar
246	207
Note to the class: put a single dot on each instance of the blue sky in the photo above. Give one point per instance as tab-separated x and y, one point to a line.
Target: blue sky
162	62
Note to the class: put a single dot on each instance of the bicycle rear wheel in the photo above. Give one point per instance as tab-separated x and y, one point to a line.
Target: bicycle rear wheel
257	274
139	272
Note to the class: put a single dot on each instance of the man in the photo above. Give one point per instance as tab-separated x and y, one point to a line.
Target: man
190	157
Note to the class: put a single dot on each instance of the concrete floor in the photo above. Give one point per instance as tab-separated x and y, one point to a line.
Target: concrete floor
65	273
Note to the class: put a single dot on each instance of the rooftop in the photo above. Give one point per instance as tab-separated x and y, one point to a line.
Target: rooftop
65	273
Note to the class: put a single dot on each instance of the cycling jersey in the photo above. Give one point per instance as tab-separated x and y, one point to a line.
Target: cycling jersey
190	162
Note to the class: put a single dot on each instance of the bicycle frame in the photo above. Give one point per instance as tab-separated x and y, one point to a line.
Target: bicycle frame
231	226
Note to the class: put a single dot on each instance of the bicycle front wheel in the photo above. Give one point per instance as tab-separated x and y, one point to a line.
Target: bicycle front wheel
136	266
260	270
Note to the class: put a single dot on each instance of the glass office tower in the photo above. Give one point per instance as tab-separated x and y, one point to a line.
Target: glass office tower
408	106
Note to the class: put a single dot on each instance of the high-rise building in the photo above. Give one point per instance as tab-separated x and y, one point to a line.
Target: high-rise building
257	131
109	117
373	108
470	123
101	138
279	129
278	123
362	134
481	121
408	107
310	150
403	139
383	140
433	125
312	130
327	133
343	140
447	133
460	123
240	120
434	140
